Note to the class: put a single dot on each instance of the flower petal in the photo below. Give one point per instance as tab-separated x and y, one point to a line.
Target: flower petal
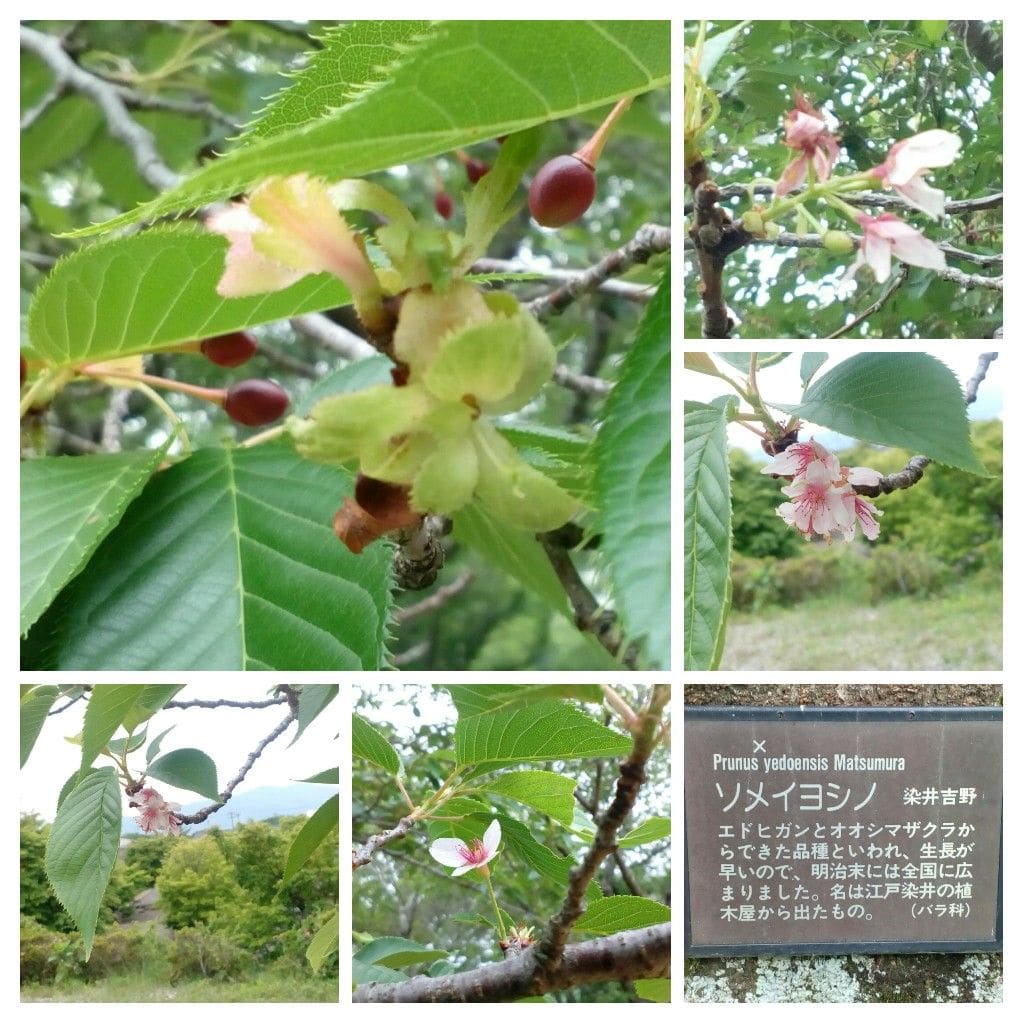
492	837
450	852
921	195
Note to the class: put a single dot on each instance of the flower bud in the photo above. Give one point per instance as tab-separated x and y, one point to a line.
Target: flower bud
838	242
753	222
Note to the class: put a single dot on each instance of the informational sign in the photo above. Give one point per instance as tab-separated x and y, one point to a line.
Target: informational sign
815	830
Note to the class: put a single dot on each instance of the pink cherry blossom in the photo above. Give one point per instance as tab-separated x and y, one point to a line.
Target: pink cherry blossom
286	229
863	512
155	813
808	132
471	856
818	505
886	236
795	460
908	161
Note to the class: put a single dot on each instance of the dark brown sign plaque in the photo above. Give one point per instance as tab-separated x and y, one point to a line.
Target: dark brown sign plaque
813	830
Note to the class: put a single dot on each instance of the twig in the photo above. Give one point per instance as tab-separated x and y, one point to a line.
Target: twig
714	235
551	948
33	114
649	240
64	707
191	108
883	199
363	853
625	956
71	441
627	290
410	654
225	796
38	259
620	862
268	703
985	360
875	306
120	123
970	280
588	614
581	383
290	363
437	600
332	336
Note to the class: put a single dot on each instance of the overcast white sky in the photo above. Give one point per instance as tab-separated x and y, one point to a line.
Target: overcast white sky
781	383
226	734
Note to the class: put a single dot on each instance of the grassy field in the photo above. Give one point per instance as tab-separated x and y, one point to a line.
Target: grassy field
960	629
269	987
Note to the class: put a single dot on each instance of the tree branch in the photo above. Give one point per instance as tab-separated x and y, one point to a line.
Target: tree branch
268	703
120	123
437	600
363	853
588	614
626	290
332	336
225	796
649	240
875	306
580	383
191	108
883	199
550	949
625	956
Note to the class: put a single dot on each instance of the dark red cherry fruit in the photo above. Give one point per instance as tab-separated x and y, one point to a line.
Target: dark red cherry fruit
562	191
476	169
255	402
229	349
443	204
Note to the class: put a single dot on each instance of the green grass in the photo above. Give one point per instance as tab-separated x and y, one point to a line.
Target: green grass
959	629
149	987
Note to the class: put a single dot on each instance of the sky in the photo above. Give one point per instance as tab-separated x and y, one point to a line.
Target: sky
781	383
226	734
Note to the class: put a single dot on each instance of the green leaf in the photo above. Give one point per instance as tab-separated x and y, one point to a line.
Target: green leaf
471	80
226	561
394	952
810	364
69	784
515	552
716	47
353	59
707	517
544	731
612	914
329	776
364	974
356	376
470	699
82	847
370	745
564	457
36	702
189	769
901	399
58	134
68	505
324	943
127	744
654	990
154	748
633	483
107	708
741	360
151	291
312	700
934	30
316	829
547	792
648	831
150	700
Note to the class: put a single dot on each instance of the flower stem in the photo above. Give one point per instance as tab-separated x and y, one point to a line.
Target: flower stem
497	912
590	151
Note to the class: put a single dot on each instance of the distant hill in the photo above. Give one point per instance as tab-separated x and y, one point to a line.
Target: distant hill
253	805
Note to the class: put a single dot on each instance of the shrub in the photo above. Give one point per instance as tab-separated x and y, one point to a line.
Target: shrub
38	948
894	570
755	582
123	951
195	879
200	952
